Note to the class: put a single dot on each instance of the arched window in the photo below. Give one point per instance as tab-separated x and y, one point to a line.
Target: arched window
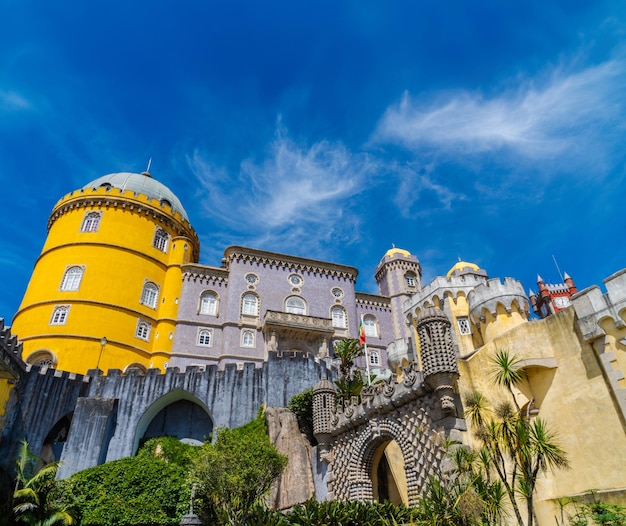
370	325
205	337
250	305
208	303
374	358
150	295
135	367
410	279
247	338
161	237
43	358
143	330
91	222
295	305
71	279
59	315
338	316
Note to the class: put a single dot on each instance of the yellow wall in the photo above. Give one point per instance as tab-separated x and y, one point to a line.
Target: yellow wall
570	391
5	392
118	259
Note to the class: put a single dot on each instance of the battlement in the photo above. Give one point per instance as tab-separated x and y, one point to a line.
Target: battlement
592	306
441	286
10	351
488	295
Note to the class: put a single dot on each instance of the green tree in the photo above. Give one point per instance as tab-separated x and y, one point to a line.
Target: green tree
151	488
350	382
301	405
36	500
516	448
235	472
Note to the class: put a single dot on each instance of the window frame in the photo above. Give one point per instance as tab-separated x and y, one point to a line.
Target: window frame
149	295
300	310
252	334
344	317
246	309
139	332
410	279
60	313
370	325
70	282
91	221
464	325
205	337
161	239
208	312
374	358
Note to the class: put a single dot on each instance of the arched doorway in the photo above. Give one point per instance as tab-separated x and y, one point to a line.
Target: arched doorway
178	414
388	475
54	442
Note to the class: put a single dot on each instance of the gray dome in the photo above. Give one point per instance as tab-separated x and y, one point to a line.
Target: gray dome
142	184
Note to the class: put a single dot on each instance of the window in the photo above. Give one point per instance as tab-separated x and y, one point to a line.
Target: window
295	305
374	358
295	280
143	330
370	325
250	305
338	316
208	303
161	237
464	326
44	359
59	315
150	295
247	338
337	292
410	279
205	337
91	222
71	279
252	279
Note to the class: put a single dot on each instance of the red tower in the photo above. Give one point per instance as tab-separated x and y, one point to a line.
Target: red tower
552	298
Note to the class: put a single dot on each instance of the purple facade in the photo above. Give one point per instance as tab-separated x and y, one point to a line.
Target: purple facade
259	301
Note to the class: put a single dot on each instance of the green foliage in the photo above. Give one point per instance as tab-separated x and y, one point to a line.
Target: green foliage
347	350
594	513
151	488
36	500
234	473
301	405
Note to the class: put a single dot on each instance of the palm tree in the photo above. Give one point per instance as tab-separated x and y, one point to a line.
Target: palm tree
347	350
34	500
516	448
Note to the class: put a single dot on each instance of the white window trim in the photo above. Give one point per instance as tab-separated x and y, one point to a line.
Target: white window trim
374	357
301	309
210	312
161	240
140	324
463	324
245	307
243	343
410	279
150	295
202	332
91	223
344	317
371	329
65	310
71	282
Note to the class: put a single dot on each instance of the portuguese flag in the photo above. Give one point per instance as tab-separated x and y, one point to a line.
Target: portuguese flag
361	332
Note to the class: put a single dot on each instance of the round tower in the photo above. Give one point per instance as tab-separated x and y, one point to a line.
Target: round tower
324	402
439	362
496	307
399	276
105	290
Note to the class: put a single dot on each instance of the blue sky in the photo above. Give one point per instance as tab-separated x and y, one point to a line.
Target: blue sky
487	130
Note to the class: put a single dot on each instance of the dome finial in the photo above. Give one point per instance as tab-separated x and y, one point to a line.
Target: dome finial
147	172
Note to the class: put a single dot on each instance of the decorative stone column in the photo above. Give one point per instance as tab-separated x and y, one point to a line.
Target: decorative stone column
439	362
324	406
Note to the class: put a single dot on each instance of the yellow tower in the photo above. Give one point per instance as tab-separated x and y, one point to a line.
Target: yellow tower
104	291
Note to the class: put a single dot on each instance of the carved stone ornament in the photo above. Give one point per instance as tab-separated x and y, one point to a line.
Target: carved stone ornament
389	387
410	375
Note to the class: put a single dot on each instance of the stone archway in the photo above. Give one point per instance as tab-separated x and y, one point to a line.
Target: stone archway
179	414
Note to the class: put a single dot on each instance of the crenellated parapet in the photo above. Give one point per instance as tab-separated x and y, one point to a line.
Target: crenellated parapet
439	288
204	275
487	297
10	351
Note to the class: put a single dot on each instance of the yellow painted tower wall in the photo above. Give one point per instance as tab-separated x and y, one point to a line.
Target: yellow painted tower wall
118	259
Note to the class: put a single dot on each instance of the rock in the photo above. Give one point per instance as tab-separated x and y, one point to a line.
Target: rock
295	485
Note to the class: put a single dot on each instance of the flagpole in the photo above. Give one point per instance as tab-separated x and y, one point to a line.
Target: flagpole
367	359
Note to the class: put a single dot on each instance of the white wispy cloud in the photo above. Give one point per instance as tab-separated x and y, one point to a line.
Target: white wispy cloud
562	112
295	192
13	101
